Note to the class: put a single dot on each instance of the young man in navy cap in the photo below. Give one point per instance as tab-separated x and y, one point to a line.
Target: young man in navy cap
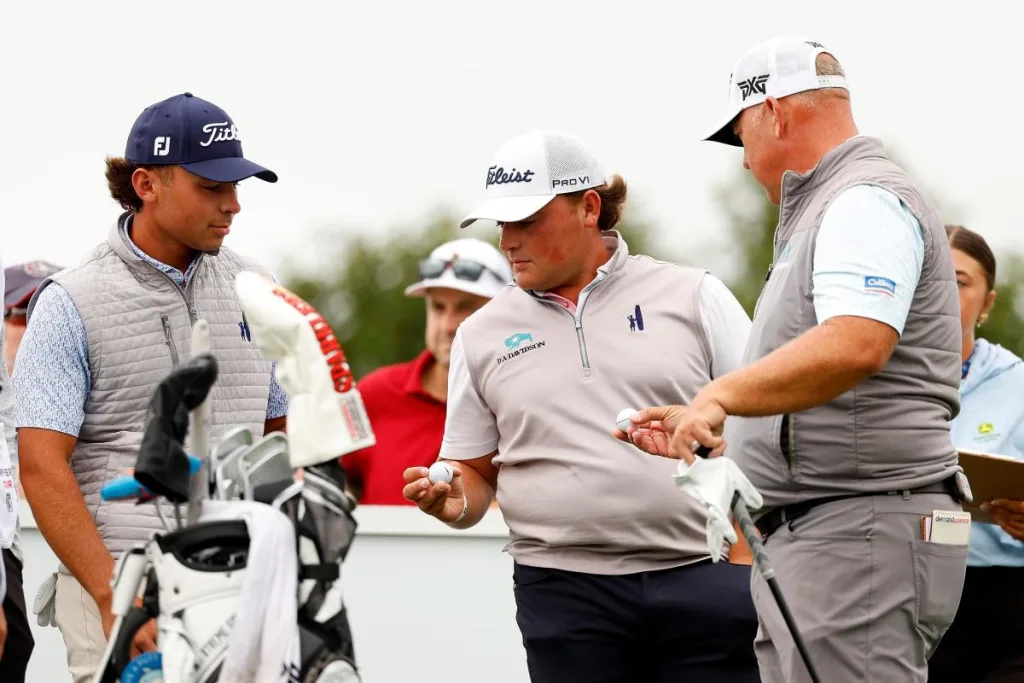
102	334
20	282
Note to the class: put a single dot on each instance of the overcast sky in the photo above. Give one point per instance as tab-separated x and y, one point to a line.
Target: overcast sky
375	113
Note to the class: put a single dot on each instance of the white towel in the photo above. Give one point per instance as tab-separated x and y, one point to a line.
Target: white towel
264	646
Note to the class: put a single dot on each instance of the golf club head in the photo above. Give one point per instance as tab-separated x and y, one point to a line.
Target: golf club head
227	480
223	469
326	416
162	466
264	462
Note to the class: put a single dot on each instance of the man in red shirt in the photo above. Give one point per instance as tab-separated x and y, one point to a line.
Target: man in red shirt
406	402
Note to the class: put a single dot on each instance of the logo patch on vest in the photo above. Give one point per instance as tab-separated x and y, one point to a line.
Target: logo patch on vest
636	320
243	328
879	285
515	345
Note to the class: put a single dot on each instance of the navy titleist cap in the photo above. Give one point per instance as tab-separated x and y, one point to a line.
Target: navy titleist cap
197	135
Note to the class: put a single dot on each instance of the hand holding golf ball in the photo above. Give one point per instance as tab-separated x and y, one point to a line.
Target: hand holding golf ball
436	490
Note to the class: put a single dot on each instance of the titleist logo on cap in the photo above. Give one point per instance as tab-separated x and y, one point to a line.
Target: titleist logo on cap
496	175
219	132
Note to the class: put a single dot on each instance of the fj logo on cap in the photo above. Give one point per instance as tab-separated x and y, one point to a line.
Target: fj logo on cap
220	132
496	175
161	146
754	84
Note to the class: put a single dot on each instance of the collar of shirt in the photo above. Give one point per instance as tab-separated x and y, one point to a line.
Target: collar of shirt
612	242
414	382
179	278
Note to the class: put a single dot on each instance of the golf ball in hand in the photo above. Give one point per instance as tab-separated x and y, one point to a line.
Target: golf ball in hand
440	471
623	420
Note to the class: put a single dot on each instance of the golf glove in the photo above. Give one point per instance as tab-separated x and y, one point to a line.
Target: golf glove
714	482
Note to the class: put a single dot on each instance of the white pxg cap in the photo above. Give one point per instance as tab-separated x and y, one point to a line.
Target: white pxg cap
531	170
776	68
468	265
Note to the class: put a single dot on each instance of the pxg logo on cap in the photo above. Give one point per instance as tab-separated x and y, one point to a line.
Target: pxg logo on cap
197	135
532	169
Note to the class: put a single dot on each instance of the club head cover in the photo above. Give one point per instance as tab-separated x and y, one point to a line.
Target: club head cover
714	482
326	416
163	466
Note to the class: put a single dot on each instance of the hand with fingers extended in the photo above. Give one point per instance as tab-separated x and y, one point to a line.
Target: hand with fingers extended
1009	514
677	431
445	501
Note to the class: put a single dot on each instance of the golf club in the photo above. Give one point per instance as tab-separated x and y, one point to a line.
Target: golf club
227	448
753	538
199	424
264	462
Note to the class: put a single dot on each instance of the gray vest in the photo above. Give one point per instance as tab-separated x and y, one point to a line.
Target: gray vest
892	430
138	323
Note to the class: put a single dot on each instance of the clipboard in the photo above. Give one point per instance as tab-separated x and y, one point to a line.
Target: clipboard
991	476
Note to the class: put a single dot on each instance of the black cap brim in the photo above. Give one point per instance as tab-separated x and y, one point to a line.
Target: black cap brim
229	170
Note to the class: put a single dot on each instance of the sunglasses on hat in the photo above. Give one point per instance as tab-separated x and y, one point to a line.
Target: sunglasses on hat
432	268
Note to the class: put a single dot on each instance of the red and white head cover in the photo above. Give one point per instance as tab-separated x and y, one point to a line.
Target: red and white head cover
326	415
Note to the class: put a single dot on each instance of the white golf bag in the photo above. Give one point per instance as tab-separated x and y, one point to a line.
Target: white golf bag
196	576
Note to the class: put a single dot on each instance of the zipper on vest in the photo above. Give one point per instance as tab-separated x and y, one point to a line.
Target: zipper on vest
166	321
786	436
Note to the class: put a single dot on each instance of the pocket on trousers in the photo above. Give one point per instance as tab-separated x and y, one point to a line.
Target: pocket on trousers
938	583
525	575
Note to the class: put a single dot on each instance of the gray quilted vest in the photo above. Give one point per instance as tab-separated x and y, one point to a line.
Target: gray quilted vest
892	430
138	324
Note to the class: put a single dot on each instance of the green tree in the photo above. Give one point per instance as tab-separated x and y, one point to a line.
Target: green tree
362	296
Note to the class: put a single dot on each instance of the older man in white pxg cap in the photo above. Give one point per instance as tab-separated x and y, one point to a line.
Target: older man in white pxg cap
849	380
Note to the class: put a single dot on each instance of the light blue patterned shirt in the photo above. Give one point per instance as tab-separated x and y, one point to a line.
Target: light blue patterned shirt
52	378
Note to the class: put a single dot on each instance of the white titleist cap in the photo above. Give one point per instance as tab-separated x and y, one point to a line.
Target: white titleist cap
468	265
531	170
776	68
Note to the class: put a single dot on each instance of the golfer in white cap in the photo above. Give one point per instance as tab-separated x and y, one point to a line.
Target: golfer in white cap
614	580
849	380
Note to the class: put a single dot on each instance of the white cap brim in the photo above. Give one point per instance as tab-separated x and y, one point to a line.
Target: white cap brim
508	209
487	286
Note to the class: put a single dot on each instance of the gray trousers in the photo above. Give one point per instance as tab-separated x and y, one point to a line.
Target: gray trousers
870	597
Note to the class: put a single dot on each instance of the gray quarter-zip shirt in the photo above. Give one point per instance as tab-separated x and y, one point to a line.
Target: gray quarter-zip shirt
550	382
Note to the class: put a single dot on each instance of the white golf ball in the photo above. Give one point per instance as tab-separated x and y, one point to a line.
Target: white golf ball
624	417
441	471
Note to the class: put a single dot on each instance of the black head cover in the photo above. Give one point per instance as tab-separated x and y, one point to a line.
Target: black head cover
162	466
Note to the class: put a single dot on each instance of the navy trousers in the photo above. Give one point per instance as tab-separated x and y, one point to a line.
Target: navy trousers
689	624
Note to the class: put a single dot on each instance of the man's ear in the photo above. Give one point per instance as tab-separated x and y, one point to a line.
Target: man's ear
779	119
591	207
144	181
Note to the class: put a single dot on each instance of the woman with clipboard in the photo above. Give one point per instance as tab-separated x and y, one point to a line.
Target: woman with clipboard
979	647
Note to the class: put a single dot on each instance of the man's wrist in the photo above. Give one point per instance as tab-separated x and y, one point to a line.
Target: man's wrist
465	509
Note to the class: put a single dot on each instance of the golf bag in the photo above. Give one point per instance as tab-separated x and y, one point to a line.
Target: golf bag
194	576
